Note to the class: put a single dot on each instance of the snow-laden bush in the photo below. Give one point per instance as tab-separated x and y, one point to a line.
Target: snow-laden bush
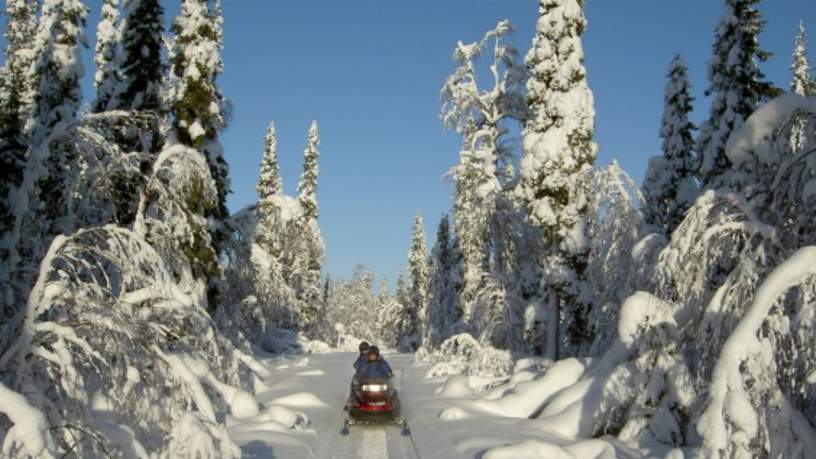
639	388
462	346
118	357
491	362
172	216
256	298
462	354
107	152
616	228
729	244
362	315
746	414
491	314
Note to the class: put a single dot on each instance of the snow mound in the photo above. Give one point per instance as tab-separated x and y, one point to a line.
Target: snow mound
300	400
290	418
445	369
454	413
455	386
533	449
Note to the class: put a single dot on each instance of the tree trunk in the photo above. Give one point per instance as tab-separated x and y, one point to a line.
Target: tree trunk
553	314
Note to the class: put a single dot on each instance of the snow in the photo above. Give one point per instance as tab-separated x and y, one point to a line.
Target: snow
754	140
29	434
196	130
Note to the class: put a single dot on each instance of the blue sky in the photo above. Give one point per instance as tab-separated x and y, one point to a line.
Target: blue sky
370	71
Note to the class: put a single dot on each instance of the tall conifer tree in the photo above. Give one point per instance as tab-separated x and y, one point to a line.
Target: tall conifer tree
736	83
16	85
142	66
556	166
803	83
268	232
480	117
443	287
308	261
58	68
669	188
418	281
199	105
108	78
307	187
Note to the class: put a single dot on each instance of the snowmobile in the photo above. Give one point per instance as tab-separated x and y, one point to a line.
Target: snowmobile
373	401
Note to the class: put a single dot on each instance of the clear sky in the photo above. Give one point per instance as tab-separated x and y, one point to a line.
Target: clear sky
369	71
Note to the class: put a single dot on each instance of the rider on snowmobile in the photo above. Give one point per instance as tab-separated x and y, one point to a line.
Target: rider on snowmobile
363	357
375	366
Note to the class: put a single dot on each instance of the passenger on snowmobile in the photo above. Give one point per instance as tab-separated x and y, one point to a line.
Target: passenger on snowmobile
375	366
363	357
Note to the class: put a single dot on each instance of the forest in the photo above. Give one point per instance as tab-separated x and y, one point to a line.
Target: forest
138	315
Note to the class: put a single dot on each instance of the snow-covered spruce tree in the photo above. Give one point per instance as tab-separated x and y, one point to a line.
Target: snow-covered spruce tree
418	285
327	284
307	249
198	104
443	288
198	110
307	187
270	182
108	77
479	116
270	192
669	188
555	175
45	207
58	68
266	232
383	295
504	295
803	83
504	225
142	66
736	83
400	293
16	84
717	370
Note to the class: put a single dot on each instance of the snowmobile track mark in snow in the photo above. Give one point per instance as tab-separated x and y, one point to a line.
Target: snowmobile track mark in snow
373	441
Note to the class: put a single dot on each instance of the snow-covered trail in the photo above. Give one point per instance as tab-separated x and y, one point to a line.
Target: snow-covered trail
314	387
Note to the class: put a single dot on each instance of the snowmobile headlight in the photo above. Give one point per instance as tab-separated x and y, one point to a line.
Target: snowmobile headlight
375	387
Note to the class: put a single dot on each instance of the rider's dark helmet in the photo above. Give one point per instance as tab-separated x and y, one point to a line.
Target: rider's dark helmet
374	350
363	347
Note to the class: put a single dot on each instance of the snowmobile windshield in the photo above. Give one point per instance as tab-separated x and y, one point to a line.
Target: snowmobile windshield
373	370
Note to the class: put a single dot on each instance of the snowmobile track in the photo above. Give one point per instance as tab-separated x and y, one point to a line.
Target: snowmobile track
372	442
